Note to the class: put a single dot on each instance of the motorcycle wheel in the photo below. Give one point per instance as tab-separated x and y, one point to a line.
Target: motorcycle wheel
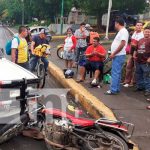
13	129
99	143
60	51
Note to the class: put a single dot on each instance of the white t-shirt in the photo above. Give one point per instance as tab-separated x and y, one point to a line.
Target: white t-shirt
137	35
14	43
122	35
81	42
68	43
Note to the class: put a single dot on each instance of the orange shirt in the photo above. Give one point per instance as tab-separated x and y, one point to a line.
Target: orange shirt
98	49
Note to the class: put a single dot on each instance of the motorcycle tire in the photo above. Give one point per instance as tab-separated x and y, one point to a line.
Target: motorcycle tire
13	129
60	52
120	144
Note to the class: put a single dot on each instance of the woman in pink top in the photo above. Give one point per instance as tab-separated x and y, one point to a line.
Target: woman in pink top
69	48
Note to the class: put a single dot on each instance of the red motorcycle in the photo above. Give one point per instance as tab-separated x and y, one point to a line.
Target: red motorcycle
66	132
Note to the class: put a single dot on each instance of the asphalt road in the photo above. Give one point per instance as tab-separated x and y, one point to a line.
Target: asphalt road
56	93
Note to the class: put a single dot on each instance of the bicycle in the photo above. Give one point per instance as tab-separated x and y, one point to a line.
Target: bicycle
40	69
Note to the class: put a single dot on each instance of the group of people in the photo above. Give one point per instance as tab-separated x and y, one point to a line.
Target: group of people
86	43
20	50
138	63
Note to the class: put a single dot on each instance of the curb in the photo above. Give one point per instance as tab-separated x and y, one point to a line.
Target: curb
93	105
63	36
55	37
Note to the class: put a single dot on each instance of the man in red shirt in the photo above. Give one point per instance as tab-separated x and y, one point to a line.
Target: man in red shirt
95	55
142	57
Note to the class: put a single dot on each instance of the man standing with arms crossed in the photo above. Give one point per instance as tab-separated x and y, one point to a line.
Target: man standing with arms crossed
81	34
118	54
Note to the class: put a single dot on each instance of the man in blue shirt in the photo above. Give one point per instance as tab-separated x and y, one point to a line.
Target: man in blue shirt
38	40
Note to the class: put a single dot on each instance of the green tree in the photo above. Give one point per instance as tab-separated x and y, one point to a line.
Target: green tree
50	9
99	7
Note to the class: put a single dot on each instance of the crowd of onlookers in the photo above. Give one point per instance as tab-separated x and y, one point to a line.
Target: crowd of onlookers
83	48
136	45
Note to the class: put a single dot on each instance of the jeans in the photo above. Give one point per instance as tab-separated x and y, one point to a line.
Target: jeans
117	65
24	65
80	51
34	60
143	76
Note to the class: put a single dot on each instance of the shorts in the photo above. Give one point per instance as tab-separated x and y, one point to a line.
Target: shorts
69	55
94	65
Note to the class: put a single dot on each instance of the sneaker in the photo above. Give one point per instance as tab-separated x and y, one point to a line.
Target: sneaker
126	85
147	93
94	81
148	99
148	107
110	93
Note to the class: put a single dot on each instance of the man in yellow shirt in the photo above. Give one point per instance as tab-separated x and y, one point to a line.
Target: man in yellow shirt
19	53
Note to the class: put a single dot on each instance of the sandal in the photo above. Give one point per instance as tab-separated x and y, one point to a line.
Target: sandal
79	81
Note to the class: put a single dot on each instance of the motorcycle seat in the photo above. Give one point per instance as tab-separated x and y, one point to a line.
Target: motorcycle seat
111	122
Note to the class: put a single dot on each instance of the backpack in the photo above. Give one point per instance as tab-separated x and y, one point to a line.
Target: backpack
8	45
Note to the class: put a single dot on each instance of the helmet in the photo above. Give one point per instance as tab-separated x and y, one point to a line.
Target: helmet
69	73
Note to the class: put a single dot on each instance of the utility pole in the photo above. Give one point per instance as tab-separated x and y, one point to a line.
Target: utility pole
62	15
22	12
108	18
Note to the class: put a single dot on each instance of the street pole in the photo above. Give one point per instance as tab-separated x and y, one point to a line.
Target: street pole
108	18
62	15
22	12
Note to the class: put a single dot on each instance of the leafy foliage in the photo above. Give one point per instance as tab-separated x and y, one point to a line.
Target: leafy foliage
49	9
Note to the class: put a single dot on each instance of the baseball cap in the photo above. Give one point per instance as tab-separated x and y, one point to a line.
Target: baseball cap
88	26
43	32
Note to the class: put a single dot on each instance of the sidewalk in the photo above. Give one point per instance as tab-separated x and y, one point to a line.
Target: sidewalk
128	106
